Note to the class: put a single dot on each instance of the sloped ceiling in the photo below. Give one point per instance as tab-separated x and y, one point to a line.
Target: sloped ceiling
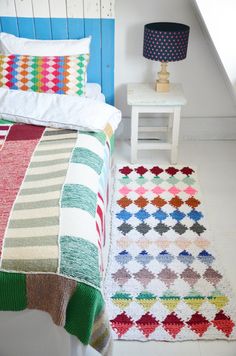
219	19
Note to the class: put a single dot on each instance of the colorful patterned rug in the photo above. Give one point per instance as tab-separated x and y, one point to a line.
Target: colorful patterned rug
163	281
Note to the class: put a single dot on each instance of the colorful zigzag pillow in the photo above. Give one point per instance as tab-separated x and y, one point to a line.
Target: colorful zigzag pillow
59	75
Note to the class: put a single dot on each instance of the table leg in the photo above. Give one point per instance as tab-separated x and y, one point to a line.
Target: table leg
175	135
169	128
134	134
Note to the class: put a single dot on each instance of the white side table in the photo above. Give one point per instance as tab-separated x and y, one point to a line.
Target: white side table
144	99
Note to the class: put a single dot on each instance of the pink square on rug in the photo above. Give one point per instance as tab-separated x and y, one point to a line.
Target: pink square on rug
173	190
158	190
140	190
124	190
190	191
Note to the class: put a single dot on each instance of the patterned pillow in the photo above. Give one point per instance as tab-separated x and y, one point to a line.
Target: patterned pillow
59	75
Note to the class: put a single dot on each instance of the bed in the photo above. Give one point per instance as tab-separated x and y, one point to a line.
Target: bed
54	201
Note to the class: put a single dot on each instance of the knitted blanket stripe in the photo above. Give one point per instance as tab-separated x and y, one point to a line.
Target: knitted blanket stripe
43	241
80	315
4	129
15	155
31	237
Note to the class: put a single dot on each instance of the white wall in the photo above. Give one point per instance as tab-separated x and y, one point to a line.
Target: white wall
219	18
204	82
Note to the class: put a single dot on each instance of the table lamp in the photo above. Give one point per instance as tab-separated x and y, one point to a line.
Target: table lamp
165	42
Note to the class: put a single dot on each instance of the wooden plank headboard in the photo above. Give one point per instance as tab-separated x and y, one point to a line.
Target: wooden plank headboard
68	19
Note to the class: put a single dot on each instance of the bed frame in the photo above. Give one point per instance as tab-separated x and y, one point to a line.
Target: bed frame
68	19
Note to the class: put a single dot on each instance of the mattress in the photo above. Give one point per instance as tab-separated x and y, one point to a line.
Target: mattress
53	199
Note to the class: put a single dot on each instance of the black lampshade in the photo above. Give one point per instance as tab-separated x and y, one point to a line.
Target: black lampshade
165	41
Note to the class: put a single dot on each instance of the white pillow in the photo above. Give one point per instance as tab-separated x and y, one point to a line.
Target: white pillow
10	44
94	91
57	110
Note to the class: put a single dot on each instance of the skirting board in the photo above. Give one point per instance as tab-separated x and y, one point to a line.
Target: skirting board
195	128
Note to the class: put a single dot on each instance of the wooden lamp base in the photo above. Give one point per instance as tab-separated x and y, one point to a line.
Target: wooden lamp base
162	83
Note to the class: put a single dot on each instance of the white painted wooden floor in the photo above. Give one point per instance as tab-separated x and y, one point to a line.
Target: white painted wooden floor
216	165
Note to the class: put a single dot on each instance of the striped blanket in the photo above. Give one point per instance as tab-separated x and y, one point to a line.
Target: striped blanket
53	188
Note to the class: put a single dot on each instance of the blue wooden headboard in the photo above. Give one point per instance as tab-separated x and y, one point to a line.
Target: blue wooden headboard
68	19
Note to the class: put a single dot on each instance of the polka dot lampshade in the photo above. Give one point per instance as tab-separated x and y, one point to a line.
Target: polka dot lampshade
165	41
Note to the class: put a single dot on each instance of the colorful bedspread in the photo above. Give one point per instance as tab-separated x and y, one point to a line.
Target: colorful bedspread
52	202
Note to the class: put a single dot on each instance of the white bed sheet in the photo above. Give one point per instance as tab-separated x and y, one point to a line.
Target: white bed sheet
32	333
